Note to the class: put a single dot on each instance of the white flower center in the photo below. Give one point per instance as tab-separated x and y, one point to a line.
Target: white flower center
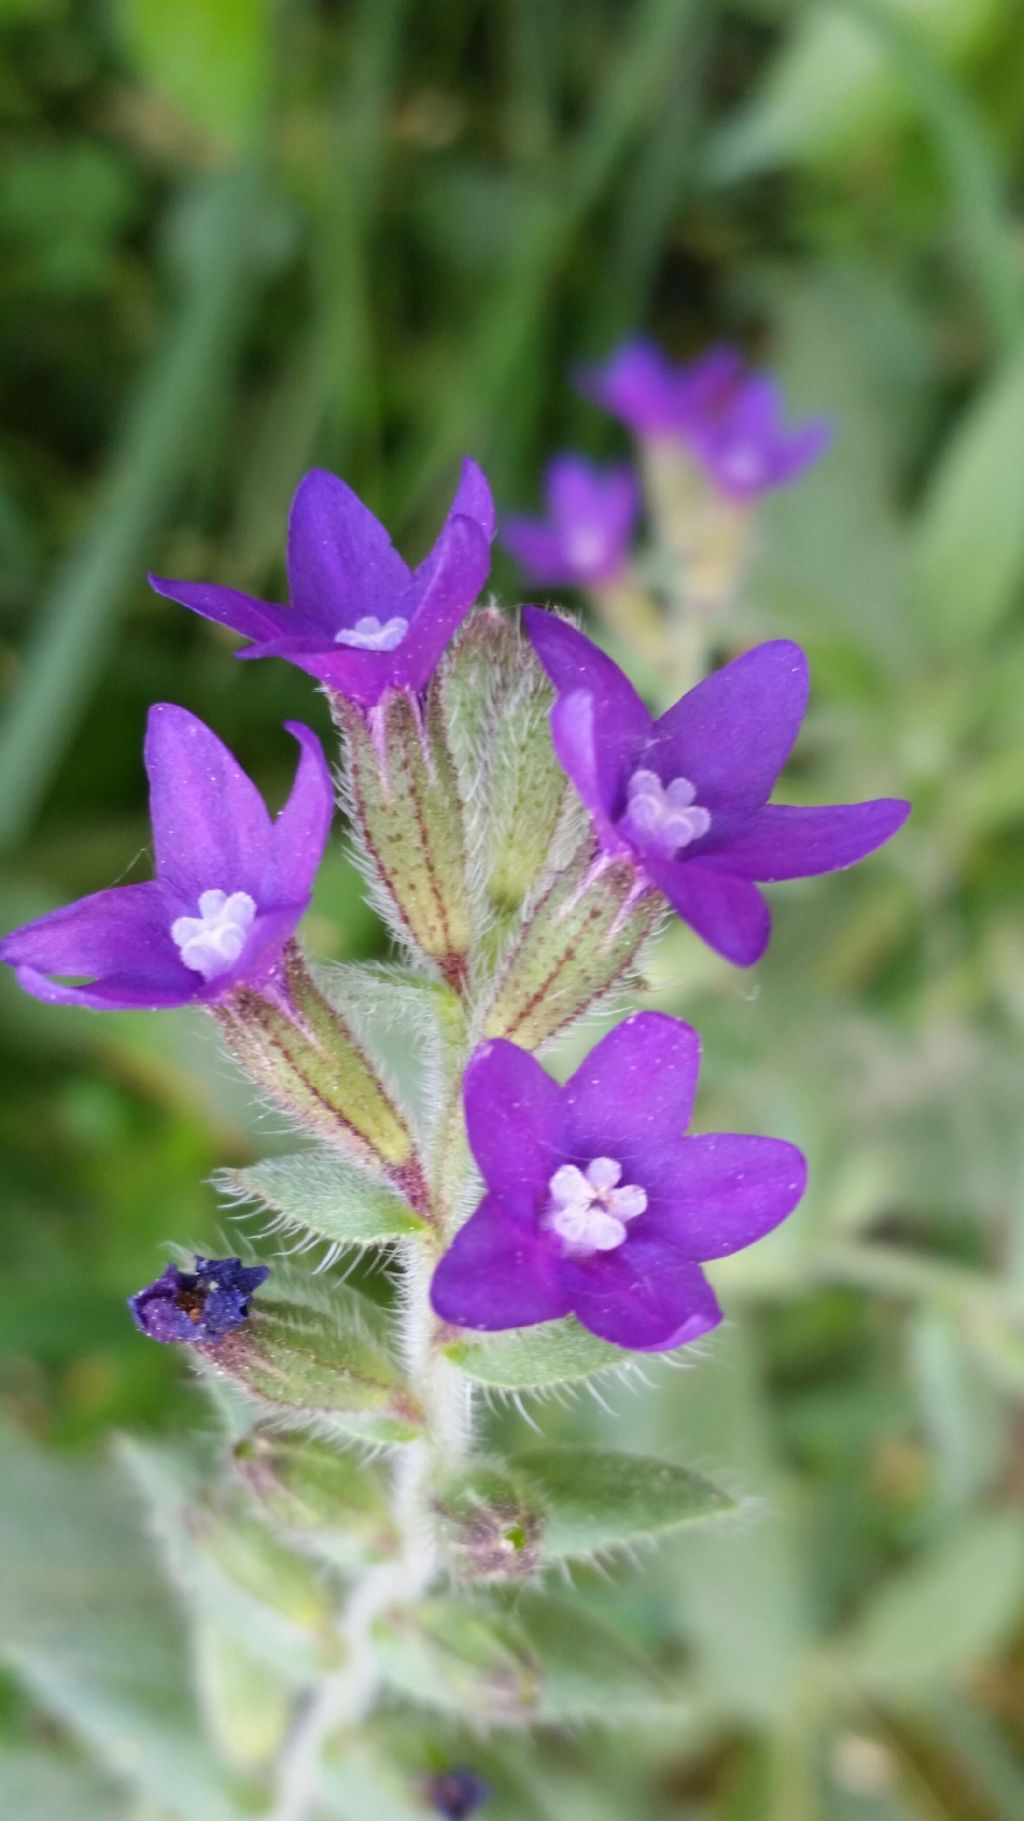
212	942
369	635
665	816
587	1208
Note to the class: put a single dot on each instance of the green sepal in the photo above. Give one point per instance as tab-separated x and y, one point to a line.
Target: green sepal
406	809
319	1192
321	1497
497	701
527	1359
318	1360
531	1660
490	1522
581	940
593	1499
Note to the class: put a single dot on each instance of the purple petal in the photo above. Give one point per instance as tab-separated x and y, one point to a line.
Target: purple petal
497	1273
645	1296
125	929
782	842
116	993
722	1192
301	829
539	551
728	912
211	830
513	1116
634	1091
597	747
253	618
447	585
473	499
801	448
638	385
341	561
732	735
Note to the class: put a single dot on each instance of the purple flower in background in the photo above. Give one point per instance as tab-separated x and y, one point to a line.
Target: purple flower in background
596	1204
456	1793
360	620
231	885
585	539
200	1305
730	419
686	796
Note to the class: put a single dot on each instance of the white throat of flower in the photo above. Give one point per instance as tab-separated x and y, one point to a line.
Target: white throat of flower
665	816
211	943
368	634
588	1210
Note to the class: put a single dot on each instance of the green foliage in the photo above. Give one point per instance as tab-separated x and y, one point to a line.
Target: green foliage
212	61
599	1498
528	1359
318	1192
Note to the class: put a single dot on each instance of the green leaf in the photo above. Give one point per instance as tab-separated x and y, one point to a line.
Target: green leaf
945	1613
89	1629
969	561
596	1498
44	1787
555	1353
534	1659
324	1194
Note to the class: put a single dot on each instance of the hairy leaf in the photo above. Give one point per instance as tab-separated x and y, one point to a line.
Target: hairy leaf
595	1498
526	1359
326	1195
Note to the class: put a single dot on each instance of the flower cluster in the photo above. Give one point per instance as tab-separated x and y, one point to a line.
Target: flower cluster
729	423
595	1203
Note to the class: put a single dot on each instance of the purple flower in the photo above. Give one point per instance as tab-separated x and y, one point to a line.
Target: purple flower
731	420
456	1793
360	619
592	514
596	1205
230	886
200	1305
686	796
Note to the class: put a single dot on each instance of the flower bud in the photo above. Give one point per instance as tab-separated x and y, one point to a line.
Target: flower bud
320	1495
407	812
582	939
247	1553
489	1526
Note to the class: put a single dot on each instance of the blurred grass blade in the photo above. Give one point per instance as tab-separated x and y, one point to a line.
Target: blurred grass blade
76	624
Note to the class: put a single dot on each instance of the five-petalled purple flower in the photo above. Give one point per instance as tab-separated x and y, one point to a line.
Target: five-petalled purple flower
596	1204
360	620
730	419
686	796
197	1306
231	884
591	517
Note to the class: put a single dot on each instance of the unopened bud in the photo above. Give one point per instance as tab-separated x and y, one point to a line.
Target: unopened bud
321	1495
489	1526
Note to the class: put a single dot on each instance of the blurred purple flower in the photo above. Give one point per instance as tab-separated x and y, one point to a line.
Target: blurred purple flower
230	886
731	420
200	1305
686	796
456	1793
585	539
596	1205
360	620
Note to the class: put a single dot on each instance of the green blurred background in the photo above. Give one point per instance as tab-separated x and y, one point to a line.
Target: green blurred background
240	239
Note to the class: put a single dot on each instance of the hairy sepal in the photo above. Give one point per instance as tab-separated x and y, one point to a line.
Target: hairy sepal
301	1052
403	797
517	1661
496	700
534	1359
319	1496
316	1358
579	941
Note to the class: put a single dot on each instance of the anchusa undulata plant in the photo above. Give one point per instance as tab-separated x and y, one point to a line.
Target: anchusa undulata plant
524	824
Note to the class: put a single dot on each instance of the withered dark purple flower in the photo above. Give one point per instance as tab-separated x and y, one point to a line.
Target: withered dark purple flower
360	620
686	796
231	884
595	1203
196	1306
